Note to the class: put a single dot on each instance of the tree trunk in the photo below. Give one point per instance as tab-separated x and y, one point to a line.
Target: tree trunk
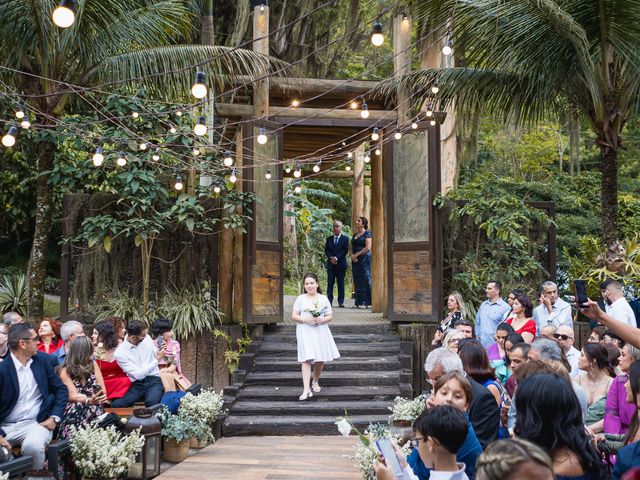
37	270
574	142
609	194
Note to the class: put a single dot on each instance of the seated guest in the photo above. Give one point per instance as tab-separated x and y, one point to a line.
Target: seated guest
451	339
138	358
629	455
169	364
4	341
483	409
514	459
476	365
82	377
465	327
11	318
68	332
595	379
497	354
33	397
119	325
619	412
116	382
49	333
517	357
548	331
565	337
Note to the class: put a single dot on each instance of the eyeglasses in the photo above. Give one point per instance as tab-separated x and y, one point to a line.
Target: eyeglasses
415	442
562	337
31	339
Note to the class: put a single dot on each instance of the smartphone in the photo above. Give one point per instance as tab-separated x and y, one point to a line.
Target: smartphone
580	289
385	447
160	342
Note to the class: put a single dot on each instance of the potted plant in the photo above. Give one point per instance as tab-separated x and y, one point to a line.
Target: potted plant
203	410
177	431
104	453
404	411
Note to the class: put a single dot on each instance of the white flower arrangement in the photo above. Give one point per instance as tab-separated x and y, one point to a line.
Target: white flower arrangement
103	452
206	406
406	409
4	476
316	311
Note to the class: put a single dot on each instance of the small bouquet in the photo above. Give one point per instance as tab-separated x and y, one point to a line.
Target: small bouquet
316	311
406	409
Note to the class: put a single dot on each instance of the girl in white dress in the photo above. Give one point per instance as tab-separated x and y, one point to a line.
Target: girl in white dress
312	312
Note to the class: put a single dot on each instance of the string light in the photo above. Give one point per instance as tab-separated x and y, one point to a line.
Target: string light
364	111
429	112
199	88
156	155
354	105
287	169
228	159
295	103
172	129
349	154
143	146
135	114
233	178
64	14
216	189
20	111
178	113
179	185
196	152
448	47
348	168
377	37
397	135
25	123
316	167
262	136
378	151
9	140
414	125
98	157
367	157
375	135
297	172
122	161
433	122
298	189
268	175
201	127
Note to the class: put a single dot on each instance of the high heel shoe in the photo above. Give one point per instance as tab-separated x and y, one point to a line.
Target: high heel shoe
304	396
315	386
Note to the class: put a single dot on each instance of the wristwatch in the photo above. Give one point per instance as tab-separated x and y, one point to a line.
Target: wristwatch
56	418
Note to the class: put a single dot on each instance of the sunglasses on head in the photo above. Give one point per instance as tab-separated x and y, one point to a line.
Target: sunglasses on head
559	336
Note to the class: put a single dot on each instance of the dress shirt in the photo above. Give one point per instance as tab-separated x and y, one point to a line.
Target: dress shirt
28	404
622	311
336	239
560	315
459	475
488	318
573	355
138	361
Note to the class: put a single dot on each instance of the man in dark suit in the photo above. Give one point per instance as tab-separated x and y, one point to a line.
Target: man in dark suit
33	396
336	249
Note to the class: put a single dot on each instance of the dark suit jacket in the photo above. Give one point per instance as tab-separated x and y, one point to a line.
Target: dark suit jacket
484	414
54	392
339	251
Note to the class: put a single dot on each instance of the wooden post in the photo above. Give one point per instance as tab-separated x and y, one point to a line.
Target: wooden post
261	45
357	187
237	243
379	242
402	63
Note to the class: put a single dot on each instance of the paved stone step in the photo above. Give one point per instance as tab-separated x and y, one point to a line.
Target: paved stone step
366	393
341	328
293	425
346	350
344	378
268	363
340	338
318	405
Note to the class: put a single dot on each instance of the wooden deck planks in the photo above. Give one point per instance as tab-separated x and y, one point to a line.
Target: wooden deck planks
270	458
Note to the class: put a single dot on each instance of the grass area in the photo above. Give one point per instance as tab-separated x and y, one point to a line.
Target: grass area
51	308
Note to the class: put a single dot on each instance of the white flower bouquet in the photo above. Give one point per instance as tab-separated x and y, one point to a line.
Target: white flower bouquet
406	409
4	476
316	311
206	406
103	452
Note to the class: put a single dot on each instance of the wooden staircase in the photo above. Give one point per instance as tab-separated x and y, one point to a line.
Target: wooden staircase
374	368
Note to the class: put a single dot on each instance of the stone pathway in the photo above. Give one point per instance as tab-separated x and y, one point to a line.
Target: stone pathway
347	315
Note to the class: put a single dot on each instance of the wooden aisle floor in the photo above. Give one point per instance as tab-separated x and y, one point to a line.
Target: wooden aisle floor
270	458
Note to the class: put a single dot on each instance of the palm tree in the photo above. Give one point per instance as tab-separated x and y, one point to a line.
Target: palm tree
528	59
111	43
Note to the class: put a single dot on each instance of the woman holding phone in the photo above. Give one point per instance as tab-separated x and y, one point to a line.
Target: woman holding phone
169	356
312	312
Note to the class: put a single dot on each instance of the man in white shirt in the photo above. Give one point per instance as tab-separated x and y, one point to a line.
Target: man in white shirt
33	396
138	358
552	309
619	308
565	337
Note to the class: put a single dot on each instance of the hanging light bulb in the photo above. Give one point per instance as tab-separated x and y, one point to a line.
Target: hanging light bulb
262	136
287	169
20	111
433	122
316	167
228	159
233	178
377	37
435	89
375	135
143	146
354	105
64	14
9	140
349	154
199	88
156	155
344	144
297	172
367	157
216	189
414	125
298	189
448	48
98	157
135	114
348	168
122	161
397	135
179	185
364	110
201	127
172	129
378	151
178	113
25	123
295	103
196	152
268	175
429	112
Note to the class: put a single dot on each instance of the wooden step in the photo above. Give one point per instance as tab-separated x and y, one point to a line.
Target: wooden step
346	350
340	338
341	328
318	405
366	393
269	363
340	378
293	425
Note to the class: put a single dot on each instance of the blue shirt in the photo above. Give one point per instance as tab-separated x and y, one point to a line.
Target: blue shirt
627	458
60	355
488	318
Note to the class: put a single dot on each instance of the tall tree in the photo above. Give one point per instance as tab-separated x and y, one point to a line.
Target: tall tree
526	59
112	42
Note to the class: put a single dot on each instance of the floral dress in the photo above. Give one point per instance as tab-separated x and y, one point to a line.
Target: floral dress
77	414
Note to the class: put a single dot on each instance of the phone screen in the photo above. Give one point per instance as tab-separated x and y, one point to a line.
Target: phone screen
160	342
389	454
580	289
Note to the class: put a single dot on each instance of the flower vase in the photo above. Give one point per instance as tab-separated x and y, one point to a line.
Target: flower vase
197	444
176	452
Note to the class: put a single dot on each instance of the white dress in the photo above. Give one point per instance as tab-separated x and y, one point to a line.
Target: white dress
314	342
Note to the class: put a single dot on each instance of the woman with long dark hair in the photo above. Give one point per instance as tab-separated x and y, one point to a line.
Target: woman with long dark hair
629	456
312	312
619	412
116	382
549	415
521	321
595	379
476	365
360	251
497	353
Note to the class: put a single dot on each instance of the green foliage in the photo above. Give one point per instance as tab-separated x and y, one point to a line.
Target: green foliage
192	310
120	304
233	352
13	294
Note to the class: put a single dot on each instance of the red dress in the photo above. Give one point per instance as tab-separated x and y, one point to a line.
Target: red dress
53	346
528	327
115	380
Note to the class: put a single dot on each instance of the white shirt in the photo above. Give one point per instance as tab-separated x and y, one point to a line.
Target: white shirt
138	361
560	315
459	475
573	355
622	311
29	397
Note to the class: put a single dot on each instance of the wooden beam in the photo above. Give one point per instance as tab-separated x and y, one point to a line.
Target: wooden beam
310	86
233	110
402	62
261	45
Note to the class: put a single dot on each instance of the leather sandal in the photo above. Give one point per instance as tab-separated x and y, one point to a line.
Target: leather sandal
315	386
305	396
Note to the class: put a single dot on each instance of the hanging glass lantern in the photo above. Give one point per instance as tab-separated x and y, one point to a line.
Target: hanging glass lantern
147	464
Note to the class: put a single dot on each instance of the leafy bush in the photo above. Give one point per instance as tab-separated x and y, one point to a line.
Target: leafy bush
121	304
192	310
13	294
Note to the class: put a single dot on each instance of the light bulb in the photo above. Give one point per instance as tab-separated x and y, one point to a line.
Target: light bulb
143	146
364	111
228	159
429	112
435	89
20	111
135	114
295	103
98	157
298	189
349	154
178	113
414	125
199	88
262	8
25	123
354	104
9	140
64	14
233	178
122	161
179	185
316	168
216	189
268	175
156	155
297	172
201	127
348	168
447	49
432	123
377	37
367	158
262	136
287	169
375	136
397	135
196	151
172	129
378	151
